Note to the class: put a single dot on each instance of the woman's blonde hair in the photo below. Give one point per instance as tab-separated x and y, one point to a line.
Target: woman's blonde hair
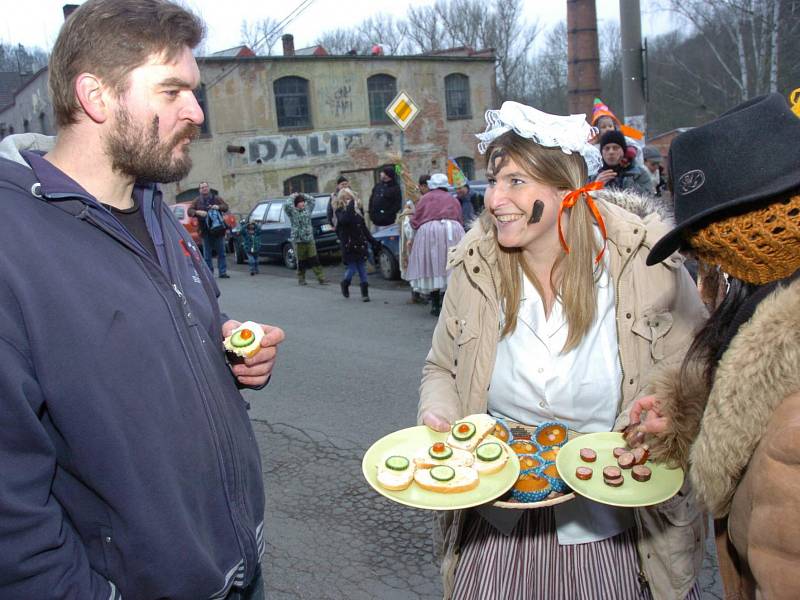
573	278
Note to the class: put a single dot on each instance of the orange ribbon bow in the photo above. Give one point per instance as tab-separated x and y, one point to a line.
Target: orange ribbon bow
570	200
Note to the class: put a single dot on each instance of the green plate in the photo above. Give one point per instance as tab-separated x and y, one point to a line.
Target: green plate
407	442
663	484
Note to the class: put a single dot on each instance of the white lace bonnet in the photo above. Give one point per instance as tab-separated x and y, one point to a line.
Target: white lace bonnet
570	133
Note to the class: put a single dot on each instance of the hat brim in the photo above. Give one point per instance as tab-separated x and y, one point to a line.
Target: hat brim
673	240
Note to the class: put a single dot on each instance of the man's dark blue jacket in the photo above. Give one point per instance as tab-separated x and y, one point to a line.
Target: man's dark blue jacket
128	465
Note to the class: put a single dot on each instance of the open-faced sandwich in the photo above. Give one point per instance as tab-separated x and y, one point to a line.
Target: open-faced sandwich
447	480
245	340
490	457
469	432
442	454
396	473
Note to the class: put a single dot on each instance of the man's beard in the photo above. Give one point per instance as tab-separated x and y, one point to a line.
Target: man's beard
139	152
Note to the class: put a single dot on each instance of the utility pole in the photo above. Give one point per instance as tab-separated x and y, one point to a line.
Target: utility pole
630	25
583	69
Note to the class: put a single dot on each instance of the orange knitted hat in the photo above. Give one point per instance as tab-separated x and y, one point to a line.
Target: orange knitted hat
758	247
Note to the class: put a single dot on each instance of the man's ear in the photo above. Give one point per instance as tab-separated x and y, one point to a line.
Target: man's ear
93	97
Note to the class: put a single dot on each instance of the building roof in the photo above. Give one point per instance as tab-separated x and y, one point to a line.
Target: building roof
235	52
477	57
671	132
311	51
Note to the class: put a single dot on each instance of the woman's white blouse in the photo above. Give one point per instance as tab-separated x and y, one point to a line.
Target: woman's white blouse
533	382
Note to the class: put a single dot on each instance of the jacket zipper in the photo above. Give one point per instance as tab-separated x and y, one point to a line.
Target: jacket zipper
234	495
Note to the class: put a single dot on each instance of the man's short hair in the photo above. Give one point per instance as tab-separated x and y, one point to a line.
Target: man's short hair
423	179
110	38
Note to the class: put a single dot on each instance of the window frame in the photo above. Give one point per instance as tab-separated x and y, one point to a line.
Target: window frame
302	178
471	174
450	92
372	101
280	97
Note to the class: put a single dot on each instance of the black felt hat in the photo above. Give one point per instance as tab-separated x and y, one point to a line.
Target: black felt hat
748	157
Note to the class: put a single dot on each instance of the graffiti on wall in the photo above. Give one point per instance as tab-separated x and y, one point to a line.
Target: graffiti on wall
340	101
290	150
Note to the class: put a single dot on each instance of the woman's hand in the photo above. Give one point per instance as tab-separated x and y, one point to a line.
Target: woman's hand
654	421
435	422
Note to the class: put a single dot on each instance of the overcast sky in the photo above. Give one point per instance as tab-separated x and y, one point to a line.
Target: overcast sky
36	22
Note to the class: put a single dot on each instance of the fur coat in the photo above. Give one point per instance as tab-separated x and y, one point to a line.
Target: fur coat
741	443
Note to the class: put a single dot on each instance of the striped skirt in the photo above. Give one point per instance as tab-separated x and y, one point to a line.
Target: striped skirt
530	564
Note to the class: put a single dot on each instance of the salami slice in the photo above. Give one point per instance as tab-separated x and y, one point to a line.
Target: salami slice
626	460
640	455
588	455
641	473
612	473
619	452
583	473
615	482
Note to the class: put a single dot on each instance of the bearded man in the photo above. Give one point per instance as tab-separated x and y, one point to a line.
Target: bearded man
129	465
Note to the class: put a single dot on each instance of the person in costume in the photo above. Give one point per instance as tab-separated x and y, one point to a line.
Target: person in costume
552	314
731	411
407	232
437	227
605	120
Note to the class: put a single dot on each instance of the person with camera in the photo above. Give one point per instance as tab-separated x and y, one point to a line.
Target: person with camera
208	208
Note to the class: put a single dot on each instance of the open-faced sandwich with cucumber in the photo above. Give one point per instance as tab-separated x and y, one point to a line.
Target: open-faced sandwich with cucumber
452	466
245	340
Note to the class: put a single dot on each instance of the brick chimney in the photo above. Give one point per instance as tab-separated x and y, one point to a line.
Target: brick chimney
68	9
288	44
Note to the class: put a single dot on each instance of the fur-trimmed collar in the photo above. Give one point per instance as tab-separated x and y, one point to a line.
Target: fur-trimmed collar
717	433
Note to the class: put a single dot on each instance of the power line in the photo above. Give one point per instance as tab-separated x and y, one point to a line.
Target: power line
296	12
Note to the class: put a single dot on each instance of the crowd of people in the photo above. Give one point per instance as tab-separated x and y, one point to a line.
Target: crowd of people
129	464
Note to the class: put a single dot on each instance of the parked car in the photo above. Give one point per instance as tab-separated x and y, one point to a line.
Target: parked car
389	259
275	231
181	212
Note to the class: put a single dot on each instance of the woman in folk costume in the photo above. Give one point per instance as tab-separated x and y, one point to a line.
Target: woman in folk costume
413	194
731	411
546	317
437	227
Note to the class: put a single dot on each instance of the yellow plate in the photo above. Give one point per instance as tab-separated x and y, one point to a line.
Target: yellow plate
663	484
407	442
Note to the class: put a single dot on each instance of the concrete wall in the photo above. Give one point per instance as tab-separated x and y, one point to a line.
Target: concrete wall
241	112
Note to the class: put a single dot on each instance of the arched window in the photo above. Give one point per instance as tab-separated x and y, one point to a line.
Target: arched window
26	126
291	102
381	90
43	123
456	96
304	183
467	166
202	100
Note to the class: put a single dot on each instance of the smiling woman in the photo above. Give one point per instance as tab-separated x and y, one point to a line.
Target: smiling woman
542	321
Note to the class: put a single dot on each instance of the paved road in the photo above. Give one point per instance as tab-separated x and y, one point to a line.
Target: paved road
348	374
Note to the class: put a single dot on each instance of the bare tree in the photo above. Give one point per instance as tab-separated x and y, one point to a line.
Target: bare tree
342	41
19	59
424	29
261	36
546	76
744	38
384	30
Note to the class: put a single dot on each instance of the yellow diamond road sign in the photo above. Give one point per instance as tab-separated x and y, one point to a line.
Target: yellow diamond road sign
402	110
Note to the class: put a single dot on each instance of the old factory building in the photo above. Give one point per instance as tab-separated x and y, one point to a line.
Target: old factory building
276	124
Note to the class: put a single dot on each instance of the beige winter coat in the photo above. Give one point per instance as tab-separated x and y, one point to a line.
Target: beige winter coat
658	312
742	443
